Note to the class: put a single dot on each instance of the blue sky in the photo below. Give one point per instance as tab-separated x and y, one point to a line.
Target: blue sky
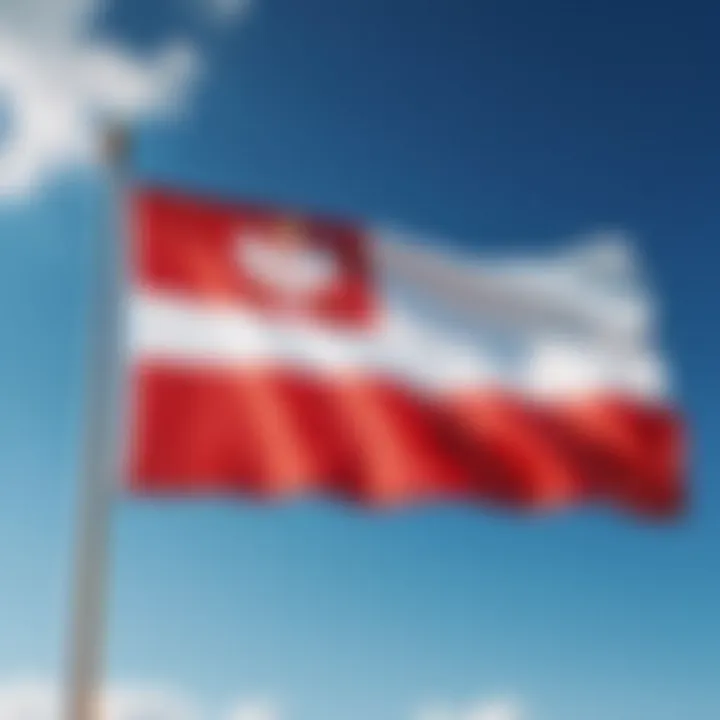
506	126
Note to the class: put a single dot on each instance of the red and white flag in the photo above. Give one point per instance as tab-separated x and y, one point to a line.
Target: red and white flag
274	355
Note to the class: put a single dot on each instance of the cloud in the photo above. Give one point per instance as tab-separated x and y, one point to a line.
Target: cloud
226	10
59	85
27	699
149	703
40	700
256	710
36	700
502	709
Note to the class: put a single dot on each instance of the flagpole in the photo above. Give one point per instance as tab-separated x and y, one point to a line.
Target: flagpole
82	698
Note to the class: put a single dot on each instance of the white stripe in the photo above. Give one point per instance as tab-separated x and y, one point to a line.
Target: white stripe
588	293
415	349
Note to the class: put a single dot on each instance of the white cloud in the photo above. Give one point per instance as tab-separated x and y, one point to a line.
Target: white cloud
149	703
58	85
27	699
41	700
255	710
35	700
494	710
226	10
46	20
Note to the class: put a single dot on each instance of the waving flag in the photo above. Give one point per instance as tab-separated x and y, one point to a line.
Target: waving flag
274	355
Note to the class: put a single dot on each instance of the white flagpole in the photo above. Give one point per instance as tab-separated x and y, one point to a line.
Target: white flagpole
82	699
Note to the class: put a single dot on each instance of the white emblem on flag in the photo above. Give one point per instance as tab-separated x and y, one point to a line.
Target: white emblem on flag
287	262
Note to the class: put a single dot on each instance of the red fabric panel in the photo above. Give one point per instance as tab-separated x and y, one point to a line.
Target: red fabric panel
278	433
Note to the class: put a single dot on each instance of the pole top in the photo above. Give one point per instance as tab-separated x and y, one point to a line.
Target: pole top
117	146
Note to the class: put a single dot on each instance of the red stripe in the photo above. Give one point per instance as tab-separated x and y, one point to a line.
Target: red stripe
273	433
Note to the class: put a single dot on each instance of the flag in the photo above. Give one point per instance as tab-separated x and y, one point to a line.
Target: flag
274	354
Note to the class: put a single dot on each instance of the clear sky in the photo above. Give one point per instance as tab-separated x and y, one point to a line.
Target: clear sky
504	125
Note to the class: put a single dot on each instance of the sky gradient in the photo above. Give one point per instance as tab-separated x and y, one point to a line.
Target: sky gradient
505	126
